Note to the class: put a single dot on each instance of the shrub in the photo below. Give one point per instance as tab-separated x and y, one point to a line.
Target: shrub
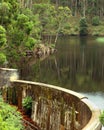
76	28
101	118
83	26
2	36
2	58
95	21
27	105
10	119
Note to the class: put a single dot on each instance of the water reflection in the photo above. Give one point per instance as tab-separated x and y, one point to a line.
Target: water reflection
78	65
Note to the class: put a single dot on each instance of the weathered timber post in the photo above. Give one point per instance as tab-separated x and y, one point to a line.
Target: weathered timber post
19	97
4	94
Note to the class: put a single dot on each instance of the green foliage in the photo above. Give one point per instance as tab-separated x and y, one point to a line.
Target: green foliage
83	26
27	103
95	21
4	12
2	36
24	23
10	119
31	42
101	118
22	20
28	27
23	27
2	58
63	15
52	20
24	33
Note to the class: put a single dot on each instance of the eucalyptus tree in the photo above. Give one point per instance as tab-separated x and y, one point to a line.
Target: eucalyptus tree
53	20
46	13
62	16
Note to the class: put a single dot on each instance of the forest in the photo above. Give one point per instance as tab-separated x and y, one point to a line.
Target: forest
24	24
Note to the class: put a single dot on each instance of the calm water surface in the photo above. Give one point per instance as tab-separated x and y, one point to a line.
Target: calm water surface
78	65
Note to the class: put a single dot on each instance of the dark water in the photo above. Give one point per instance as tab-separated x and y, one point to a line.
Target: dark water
78	65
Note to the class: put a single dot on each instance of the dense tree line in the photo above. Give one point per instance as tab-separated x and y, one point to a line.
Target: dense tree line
83	7
78	7
23	24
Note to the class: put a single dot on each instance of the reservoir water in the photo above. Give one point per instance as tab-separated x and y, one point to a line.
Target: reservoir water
78	65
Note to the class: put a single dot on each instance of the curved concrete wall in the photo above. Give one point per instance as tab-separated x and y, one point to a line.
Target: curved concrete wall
88	114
